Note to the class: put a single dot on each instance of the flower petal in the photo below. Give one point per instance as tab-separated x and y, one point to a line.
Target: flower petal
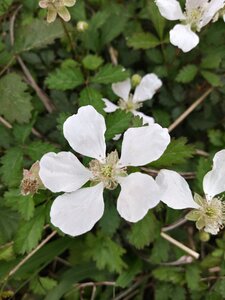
175	190
109	106
146	119
85	132
148	86
183	37
43	4
194	4
64	13
51	15
143	145
63	172
213	7
214	180
122	89
69	3
170	9
77	212
139	193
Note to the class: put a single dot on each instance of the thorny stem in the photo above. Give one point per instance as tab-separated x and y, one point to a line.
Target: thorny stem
180	245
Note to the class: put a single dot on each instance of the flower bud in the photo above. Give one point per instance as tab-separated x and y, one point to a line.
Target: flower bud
204	236
136	79
82	26
31	181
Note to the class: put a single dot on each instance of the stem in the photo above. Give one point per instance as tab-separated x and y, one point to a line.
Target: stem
72	45
180	245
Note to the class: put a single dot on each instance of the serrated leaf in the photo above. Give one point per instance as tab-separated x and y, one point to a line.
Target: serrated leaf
8	223
155	17
114	26
15	102
100	248
211	61
212	78
169	274
203	166
92	62
90	96
23	204
12	160
65	78
176	153
4	5
216	137
135	267
117	123
41	285
143	40
110	74
187	74
37	149
193	277
37	34
149	229
6	252
29	233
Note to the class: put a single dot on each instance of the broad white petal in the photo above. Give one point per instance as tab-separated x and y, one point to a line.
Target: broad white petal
212	8
139	193
51	14
85	132
175	190
64	13
214	180
122	89
63	172
146	119
43	3
77	212
183	37
69	3
143	145
224	17
109	106
170	9
148	86
194	4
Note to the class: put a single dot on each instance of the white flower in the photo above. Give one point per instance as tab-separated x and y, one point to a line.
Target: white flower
77	211
209	211
198	13
148	86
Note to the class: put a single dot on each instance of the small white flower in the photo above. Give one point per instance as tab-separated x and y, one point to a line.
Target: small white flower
198	13
77	211
209	211
148	86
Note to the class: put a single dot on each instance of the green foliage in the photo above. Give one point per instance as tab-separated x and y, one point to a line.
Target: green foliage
15	102
110	74
90	96
187	74
92	62
143	40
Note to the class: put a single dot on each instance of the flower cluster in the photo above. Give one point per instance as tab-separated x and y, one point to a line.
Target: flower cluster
57	7
198	13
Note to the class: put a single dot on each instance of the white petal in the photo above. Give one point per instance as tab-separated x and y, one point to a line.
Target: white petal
214	180
170	9
146	119
183	37
85	132
43	3
69	3
122	89
117	137
224	17
143	145
194	4
77	212
109	106
63	172
139	193
148	86
175	190
213	7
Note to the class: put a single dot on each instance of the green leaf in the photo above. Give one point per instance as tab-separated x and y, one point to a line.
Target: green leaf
169	274
15	102
110	74
193	277
216	137
23	204
155	17
65	78
6	252
41	285
105	252
149	229
8	223
143	40
90	96
29	233
135	267
204	165
37	149
38	34
212	78
176	153
117	123
12	160
4	6
92	62
187	74
211	61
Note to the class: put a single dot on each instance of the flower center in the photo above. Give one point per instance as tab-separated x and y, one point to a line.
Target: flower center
107	172
129	105
194	17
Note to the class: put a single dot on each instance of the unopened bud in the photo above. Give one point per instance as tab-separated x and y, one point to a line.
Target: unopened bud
31	181
82	26
136	79
204	236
